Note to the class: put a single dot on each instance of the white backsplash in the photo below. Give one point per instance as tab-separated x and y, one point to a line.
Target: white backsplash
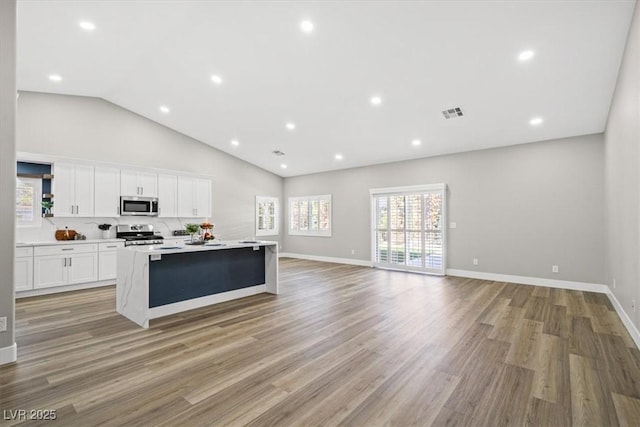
89	227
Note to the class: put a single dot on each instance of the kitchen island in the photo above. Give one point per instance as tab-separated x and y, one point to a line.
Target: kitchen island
160	280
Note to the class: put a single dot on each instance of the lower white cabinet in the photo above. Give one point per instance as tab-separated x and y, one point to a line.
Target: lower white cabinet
60	265
107	269
23	271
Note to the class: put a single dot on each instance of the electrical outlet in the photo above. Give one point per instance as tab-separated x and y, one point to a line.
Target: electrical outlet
3	324
475	261
554	268
353	251
453	225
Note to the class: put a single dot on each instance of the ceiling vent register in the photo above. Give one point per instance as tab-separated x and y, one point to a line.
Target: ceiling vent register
278	153
452	113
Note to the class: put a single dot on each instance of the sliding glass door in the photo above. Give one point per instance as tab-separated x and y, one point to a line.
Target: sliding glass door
409	228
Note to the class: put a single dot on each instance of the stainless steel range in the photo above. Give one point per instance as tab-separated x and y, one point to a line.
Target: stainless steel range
137	234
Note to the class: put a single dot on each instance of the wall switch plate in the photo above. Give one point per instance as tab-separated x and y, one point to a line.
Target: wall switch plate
554	268
633	305
475	261
353	251
452	225
3	324
614	283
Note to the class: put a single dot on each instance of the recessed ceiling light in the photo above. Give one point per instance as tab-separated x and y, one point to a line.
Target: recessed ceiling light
416	142
375	100
339	156
235	142
283	166
164	109
536	121
306	26
290	126
55	77
526	55
87	25
216	79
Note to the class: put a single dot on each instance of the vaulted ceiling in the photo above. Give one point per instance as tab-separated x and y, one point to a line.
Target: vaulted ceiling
234	74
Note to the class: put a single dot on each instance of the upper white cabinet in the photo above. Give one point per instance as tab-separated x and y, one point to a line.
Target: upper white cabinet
167	196
107	192
73	189
194	197
138	183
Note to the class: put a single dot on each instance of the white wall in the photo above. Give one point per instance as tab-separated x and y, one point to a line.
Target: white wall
519	209
622	165
94	129
7	173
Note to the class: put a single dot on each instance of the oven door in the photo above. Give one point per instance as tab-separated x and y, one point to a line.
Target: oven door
138	206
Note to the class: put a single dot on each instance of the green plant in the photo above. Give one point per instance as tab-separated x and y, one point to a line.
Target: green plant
47	204
192	228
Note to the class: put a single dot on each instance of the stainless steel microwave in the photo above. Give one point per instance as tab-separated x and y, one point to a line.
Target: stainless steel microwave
138	206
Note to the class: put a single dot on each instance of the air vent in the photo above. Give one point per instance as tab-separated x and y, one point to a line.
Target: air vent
278	153
452	113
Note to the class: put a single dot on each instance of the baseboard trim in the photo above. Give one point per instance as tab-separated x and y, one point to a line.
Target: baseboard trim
526	280
626	320
8	354
349	261
65	288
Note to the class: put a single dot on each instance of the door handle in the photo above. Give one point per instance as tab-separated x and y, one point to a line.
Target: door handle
65	262
72	210
77	210
70	261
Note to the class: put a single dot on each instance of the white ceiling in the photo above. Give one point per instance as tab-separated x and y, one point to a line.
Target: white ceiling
420	57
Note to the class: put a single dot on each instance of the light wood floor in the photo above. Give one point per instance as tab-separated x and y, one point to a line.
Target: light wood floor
340	345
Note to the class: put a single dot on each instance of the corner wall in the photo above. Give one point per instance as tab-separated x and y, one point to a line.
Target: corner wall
622	179
7	174
518	209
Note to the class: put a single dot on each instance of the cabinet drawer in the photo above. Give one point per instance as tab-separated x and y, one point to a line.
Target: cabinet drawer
65	249
106	247
24	252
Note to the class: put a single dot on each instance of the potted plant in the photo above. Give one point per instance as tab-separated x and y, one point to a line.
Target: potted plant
105	230
192	229
47	205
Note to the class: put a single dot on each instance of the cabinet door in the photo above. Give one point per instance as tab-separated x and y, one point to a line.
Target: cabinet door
64	190
168	196
129	183
82	268
107	265
148	183
107	192
49	271
186	205
203	197
84	190
23	274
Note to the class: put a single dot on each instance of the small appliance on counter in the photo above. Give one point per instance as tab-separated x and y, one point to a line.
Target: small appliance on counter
138	234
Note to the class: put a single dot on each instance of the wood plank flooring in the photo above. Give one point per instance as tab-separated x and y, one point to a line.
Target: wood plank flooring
341	345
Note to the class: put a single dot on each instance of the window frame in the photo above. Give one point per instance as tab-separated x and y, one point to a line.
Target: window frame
276	216
408	191
36	206
310	199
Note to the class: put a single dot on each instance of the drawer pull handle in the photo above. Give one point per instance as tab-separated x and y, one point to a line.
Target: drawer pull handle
114	246
67	249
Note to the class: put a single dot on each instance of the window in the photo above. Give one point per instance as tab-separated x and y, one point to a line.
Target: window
409	228
28	202
310	216
267	216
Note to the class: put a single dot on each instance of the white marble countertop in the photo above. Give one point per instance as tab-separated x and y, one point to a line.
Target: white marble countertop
180	248
66	242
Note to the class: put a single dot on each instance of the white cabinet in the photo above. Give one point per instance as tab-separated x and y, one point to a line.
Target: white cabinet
194	197
138	183
73	190
107	254
167	196
23	271
59	265
107	192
